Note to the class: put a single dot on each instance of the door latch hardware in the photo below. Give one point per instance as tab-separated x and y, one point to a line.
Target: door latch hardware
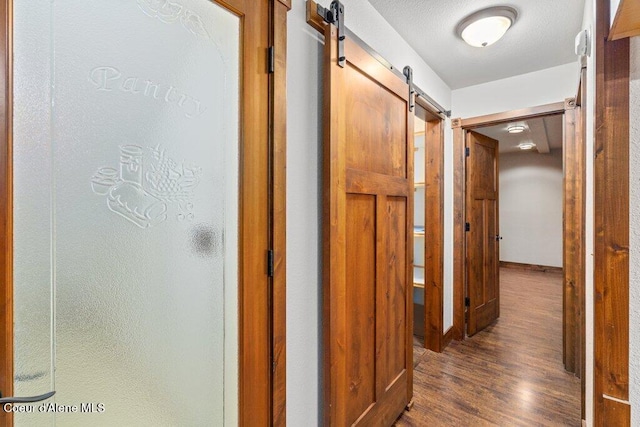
467	226
467	302
467	152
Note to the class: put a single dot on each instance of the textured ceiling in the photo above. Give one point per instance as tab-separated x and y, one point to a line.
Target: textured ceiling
542	36
545	132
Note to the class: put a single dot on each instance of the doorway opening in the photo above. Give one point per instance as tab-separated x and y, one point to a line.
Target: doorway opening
477	260
428	233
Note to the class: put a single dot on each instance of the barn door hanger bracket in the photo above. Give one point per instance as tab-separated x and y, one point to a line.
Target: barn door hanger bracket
335	15
408	73
337	9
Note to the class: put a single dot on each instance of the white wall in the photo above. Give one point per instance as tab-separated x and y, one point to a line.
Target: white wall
303	221
613	9
526	90
531	208
634	235
304	165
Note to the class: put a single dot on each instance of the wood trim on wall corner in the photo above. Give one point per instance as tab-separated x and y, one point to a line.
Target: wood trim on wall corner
581	115
611	224
573	259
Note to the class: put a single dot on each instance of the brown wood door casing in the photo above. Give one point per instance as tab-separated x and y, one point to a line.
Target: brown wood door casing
574	183
460	128
483	281
611	224
430	324
367	229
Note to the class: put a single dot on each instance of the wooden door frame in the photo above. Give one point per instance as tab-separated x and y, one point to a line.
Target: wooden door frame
278	122
573	287
273	405
611	224
460	127
435	338
574	239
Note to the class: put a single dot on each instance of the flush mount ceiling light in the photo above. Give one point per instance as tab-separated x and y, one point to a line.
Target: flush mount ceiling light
515	129
526	145
486	26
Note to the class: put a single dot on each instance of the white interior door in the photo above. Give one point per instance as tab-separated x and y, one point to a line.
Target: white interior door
126	205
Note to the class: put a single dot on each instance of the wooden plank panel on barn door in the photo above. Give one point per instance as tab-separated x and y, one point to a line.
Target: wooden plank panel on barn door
367	221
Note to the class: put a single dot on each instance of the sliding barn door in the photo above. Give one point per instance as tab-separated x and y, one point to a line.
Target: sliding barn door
483	279
367	222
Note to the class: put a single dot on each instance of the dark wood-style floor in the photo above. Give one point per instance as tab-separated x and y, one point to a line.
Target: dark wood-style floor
510	374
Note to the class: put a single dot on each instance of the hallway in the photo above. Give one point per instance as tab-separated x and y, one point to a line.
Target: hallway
509	374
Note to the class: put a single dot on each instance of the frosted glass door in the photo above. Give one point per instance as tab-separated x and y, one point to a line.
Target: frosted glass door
126	211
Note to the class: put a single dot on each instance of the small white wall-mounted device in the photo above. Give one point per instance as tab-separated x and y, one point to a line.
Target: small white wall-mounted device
583	43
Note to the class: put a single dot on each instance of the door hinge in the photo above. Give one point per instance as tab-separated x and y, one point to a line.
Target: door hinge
270	266
271	59
467	152
467	302
467	226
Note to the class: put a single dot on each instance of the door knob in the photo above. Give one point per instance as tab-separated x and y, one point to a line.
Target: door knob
29	399
498	237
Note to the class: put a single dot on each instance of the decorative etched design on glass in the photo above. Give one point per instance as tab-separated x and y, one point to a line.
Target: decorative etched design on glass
108	79
141	197
171	182
169	12
164	10
193	23
29	377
